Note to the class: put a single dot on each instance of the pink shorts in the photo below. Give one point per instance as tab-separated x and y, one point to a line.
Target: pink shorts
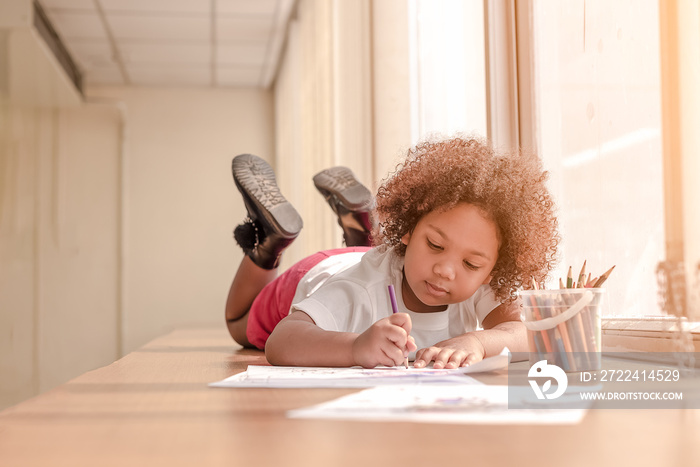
275	299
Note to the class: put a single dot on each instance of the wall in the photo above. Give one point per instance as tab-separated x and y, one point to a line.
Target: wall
323	111
391	84
59	242
179	201
115	224
341	98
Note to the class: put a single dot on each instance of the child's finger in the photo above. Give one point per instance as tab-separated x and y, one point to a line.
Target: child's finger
442	358
425	356
411	344
399	336
471	358
394	355
457	358
402	320
418	361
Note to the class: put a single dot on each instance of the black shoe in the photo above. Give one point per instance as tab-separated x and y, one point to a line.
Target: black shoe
272	222
350	200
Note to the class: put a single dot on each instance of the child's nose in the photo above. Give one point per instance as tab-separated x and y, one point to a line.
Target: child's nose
444	269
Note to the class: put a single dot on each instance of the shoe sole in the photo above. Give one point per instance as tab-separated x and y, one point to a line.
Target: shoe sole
256	180
341	183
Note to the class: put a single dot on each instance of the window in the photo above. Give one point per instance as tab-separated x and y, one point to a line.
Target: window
594	72
585	84
447	68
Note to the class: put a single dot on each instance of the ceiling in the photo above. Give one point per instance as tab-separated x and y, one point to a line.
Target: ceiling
210	43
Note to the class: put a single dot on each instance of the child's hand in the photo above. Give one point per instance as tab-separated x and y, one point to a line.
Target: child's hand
451	353
386	342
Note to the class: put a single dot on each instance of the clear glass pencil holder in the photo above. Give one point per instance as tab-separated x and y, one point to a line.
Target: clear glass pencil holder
563	326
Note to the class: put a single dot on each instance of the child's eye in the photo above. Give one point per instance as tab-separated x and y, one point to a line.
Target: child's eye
434	246
471	266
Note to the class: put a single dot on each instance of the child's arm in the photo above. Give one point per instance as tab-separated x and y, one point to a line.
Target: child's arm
502	328
297	341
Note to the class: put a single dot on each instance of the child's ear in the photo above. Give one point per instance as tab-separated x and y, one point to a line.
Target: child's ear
406	238
487	280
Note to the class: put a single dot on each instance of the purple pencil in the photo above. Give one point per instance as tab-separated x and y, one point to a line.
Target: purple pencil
395	309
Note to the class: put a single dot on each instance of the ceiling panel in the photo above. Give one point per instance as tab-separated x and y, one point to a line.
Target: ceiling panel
167	76
150	53
167	7
69	4
78	24
177	29
246	54
173	42
246	7
231	28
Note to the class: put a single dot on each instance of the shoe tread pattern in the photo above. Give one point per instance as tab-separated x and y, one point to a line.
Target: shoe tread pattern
256	180
341	182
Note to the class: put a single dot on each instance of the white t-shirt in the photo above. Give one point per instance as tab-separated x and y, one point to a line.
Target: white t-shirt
349	292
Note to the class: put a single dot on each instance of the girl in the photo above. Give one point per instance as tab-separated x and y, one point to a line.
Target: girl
460	229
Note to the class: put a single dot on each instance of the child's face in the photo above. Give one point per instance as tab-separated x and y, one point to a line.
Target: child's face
449	255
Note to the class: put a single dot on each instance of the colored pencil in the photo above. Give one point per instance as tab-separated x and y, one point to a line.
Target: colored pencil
394	310
579	331
538	317
604	277
582	276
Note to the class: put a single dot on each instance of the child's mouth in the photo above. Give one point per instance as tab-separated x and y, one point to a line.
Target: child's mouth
435	290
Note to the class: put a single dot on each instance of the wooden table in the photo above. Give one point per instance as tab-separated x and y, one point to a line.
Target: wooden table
153	407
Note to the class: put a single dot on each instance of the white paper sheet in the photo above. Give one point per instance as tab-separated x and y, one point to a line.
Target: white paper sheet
439	403
311	377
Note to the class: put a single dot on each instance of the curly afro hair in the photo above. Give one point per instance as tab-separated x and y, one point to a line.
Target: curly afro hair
508	186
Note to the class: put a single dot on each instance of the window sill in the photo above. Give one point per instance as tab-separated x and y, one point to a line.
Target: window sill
645	334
